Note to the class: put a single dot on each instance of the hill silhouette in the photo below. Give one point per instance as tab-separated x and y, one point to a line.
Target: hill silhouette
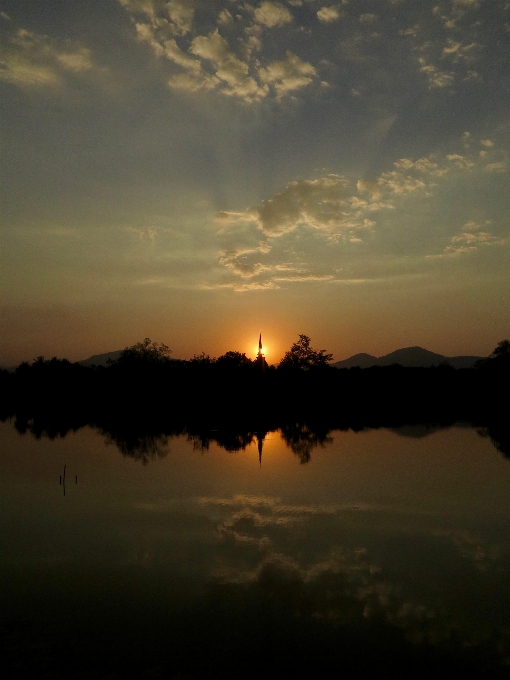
410	357
100	359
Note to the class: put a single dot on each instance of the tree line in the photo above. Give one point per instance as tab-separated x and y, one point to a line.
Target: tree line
145	382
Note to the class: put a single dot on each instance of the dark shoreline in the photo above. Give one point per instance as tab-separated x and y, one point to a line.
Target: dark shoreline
232	406
277	625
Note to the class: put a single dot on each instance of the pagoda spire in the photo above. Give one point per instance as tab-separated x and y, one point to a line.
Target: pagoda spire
260	359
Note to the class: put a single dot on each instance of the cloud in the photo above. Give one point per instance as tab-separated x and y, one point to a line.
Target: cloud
470	239
229	218
176	16
23	73
412	30
499	166
425	165
225	18
228	67
462	162
316	203
435	77
466	242
173	52
192	83
459	52
235	70
31	60
76	61
241	287
299	233
325	206
145	233
181	14
148	7
398	183
243	261
272	14
304	277
328	14
288	75
195	78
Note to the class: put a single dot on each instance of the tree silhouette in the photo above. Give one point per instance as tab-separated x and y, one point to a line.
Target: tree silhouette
202	359
499	359
234	360
144	352
502	351
302	356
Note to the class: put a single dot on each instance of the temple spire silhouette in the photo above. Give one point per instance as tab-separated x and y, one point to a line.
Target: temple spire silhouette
260	444
260	359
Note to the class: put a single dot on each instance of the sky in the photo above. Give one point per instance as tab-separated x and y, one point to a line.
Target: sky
198	171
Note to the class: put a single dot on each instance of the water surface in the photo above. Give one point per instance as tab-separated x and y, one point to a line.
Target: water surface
385	549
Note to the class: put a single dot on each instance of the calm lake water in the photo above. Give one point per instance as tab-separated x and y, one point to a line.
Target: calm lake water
388	551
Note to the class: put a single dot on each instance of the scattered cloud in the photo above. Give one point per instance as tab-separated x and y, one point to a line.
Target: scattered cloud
245	28
328	14
320	204
472	237
272	14
208	61
28	59
462	162
343	214
288	75
77	61
228	68
435	77
241	287
468	241
499	166
146	233
225	18
180	13
459	52
243	262
174	16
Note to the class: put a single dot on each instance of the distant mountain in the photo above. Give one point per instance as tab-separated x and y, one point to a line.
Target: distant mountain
100	359
412	357
408	356
463	361
362	360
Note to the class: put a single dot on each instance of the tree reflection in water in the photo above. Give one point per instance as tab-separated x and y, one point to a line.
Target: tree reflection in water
227	439
147	439
499	434
302	439
142	447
